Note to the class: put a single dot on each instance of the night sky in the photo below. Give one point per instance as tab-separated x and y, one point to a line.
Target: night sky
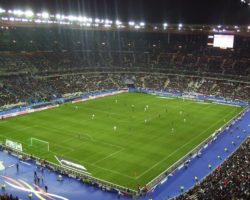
154	11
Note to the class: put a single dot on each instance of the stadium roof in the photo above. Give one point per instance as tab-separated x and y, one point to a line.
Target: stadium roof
29	18
230	12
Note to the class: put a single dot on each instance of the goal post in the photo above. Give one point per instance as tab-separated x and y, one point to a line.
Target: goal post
39	144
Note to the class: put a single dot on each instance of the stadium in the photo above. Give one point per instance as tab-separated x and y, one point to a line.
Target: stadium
105	107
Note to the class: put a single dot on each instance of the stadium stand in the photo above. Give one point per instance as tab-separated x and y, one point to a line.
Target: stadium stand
231	180
44	64
183	63
8	197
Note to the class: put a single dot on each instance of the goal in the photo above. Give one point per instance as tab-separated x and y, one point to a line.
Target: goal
41	145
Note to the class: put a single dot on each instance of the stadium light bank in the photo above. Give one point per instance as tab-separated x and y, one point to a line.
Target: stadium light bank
28	16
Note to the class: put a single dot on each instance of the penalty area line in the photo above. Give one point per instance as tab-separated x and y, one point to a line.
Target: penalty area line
108	156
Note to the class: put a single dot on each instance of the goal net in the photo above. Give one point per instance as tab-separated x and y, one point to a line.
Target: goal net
41	145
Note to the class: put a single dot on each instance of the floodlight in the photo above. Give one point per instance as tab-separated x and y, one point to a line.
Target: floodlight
131	23
2	10
180	25
142	24
29	13
165	24
45	15
58	16
71	18
107	25
118	22
18	12
85	19
80	18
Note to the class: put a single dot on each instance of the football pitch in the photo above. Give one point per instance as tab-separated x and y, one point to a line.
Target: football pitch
127	139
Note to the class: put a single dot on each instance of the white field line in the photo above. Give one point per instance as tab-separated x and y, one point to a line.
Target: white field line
96	166
71	150
161	97
81	134
200	102
109	170
115	172
108	156
62	147
103	111
51	145
196	146
146	171
225	104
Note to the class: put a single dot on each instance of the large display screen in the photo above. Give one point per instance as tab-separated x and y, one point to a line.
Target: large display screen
223	41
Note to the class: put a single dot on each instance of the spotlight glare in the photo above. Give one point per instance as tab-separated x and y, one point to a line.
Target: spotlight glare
18	12
29	13
118	22
2	10
131	23
45	15
142	24
58	16
137	26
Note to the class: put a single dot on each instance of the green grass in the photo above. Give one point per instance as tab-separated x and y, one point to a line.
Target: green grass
137	151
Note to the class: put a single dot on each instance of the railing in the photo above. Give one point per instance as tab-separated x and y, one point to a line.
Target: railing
75	173
194	151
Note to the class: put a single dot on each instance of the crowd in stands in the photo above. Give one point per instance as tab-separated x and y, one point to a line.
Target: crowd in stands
42	63
176	63
231	180
26	88
8	197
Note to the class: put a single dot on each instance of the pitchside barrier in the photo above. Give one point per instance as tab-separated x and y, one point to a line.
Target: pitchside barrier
54	103
74	173
190	155
191	96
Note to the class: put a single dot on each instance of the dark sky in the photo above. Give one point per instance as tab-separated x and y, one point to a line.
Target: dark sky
171	11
